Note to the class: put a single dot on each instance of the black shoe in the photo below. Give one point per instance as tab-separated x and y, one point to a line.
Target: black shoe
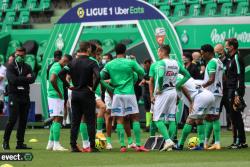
243	145
93	150
236	146
75	149
23	147
232	145
6	146
146	129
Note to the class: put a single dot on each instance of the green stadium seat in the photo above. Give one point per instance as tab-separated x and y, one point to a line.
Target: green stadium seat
31	4
1	20
30	60
195	10
240	0
12	47
242	9
1	59
4	5
224	1
207	1
210	9
24	17
45	4
154	2
165	9
16	5
179	11
226	9
192	1
177	2
9	18
40	52
108	45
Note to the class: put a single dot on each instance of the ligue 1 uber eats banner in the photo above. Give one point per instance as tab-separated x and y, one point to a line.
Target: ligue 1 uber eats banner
110	10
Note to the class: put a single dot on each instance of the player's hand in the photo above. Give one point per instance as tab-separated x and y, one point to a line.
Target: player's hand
142	82
90	88
29	76
152	100
60	95
236	100
191	107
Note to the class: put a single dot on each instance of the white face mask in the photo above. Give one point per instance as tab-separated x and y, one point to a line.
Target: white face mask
104	61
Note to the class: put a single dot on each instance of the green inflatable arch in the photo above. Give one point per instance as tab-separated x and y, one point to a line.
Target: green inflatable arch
153	25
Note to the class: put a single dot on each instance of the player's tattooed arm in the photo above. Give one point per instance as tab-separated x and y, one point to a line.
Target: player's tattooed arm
53	80
186	75
210	81
151	89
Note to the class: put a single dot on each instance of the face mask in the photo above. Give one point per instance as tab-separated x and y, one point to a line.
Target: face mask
104	61
226	51
19	59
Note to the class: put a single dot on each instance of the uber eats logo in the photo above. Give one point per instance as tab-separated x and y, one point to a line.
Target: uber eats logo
111	11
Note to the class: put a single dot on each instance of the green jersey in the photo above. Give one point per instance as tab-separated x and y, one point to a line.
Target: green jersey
121	74
55	69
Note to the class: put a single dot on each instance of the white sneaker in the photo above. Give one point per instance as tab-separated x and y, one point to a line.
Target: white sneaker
59	148
50	145
64	122
168	145
133	146
109	146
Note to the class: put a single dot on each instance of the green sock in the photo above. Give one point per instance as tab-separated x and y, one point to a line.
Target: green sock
130	140
201	133
217	128
137	133
185	132
152	128
84	131
172	129
162	129
56	131
108	140
51	136
208	130
148	118
121	132
99	122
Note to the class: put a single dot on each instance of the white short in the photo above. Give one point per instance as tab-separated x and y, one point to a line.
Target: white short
202	102
108	101
214	109
123	105
165	106
56	107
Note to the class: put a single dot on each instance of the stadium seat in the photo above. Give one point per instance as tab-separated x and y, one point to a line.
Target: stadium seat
165	9
154	2
195	10
179	10
12	47
40	52
1	59
242	9
1	20
224	1
192	1
108	45
226	9
31	4
177	2
16	5
207	1
24	17
4	5
210	9
45	4
9	18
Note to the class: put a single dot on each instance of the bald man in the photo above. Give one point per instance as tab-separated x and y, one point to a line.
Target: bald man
199	62
221	54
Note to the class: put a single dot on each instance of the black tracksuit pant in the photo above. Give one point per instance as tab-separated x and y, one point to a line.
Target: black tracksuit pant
225	102
237	121
83	103
18	109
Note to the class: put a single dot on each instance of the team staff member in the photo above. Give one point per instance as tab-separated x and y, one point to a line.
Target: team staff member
20	76
85	76
236	91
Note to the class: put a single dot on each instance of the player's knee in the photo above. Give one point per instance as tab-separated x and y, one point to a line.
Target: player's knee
190	121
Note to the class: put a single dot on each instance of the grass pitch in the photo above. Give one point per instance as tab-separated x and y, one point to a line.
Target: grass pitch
44	158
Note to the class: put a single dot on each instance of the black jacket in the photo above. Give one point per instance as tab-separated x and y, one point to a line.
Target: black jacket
236	75
18	82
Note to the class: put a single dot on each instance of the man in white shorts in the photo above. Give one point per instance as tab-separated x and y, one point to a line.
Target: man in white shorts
213	82
198	100
56	103
120	71
165	98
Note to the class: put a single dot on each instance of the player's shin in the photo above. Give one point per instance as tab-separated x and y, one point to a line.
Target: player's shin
185	132
56	132
172	129
217	131
121	134
137	132
152	129
162	129
201	134
208	131
84	135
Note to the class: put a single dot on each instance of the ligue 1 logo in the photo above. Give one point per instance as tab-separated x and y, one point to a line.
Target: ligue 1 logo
160	34
80	13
